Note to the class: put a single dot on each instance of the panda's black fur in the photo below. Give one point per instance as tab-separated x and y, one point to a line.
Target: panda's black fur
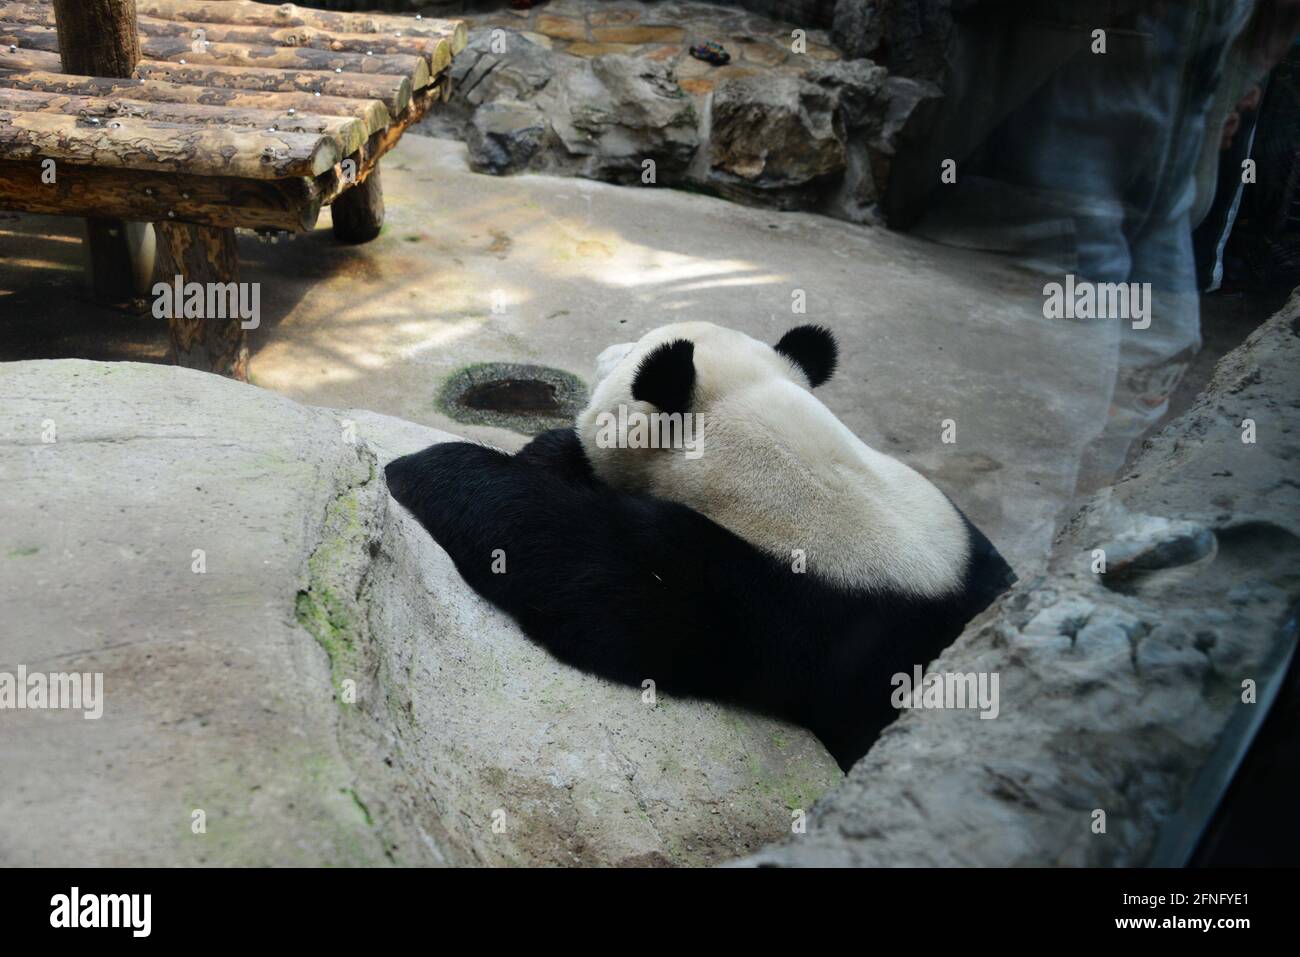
633	587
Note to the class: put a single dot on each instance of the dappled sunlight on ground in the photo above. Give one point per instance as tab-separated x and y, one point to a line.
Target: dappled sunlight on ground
549	271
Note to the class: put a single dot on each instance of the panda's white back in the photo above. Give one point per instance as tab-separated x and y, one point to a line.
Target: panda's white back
779	470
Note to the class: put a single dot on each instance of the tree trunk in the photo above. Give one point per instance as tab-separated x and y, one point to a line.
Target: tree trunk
99	38
359	210
204	255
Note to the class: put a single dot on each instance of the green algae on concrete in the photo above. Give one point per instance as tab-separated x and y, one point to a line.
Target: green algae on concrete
334	569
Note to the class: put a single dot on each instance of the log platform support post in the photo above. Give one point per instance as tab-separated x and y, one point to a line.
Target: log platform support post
359	210
202	254
99	38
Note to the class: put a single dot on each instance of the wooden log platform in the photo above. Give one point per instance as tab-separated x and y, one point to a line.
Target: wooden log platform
202	117
237	114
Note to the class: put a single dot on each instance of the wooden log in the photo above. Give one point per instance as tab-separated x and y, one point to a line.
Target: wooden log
289	15
333	184
202	254
99	38
348	135
393	91
287	58
133	143
358	212
372	114
437	50
21	58
182	49
289	204
120	248
29	11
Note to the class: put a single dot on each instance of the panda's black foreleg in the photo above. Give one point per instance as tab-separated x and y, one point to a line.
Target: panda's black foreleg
586	571
481	505
559	452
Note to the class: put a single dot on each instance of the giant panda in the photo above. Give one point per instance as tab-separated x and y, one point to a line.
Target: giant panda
779	564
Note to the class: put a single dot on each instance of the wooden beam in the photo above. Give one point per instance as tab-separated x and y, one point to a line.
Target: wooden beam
182	49
135	143
23	59
438	49
348	134
358	213
393	91
333	184
290	15
99	38
290	204
372	114
202	254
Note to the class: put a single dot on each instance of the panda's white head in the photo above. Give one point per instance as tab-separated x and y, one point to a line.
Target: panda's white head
761	456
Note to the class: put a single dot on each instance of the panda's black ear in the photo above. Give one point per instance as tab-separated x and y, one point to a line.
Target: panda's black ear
811	348
666	376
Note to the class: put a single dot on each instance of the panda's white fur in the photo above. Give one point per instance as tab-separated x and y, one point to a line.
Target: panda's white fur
780	471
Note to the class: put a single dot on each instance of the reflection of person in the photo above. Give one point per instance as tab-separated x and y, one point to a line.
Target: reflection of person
1080	156
1219	186
1272	30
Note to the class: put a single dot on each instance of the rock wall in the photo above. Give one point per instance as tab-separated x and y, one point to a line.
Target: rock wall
1120	689
814	12
293	666
585	88
820	137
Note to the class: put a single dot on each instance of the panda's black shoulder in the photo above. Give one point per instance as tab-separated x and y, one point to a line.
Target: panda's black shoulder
988	574
560	453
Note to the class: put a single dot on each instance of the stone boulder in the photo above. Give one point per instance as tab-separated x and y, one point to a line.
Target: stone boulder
1121	669
499	64
294	673
615	112
505	136
496	66
774	135
822	140
520	106
857	26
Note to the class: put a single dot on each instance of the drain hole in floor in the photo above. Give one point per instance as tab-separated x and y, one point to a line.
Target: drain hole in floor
512	395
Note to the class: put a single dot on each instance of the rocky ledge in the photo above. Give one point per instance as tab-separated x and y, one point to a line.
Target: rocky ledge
1128	673
294	673
610	91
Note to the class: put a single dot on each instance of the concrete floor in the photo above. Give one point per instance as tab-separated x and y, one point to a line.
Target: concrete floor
928	333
